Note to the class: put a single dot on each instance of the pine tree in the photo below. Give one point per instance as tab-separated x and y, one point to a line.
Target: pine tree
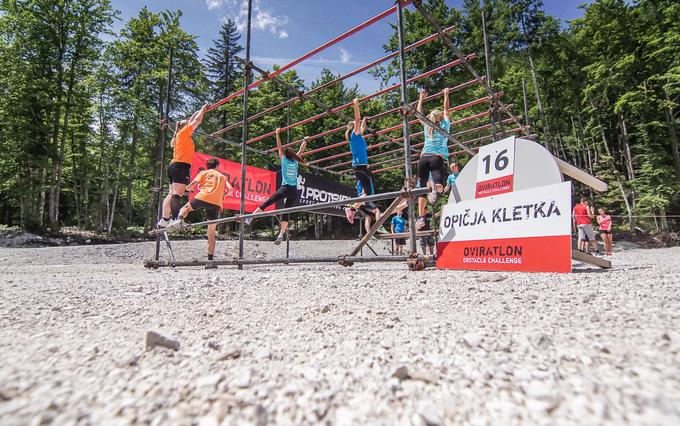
222	67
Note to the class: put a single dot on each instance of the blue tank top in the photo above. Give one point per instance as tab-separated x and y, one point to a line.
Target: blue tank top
437	143
289	172
357	144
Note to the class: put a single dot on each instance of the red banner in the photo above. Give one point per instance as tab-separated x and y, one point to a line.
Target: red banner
536	254
260	183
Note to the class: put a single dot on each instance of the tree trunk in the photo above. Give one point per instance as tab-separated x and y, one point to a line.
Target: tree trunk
672	135
115	195
130	170
539	104
663	219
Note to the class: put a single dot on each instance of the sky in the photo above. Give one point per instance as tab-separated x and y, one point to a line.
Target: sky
285	29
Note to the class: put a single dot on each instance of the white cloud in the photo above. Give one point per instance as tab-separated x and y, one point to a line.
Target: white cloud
213	4
345	56
262	19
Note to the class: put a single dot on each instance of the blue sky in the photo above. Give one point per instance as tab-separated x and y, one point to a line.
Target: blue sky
285	29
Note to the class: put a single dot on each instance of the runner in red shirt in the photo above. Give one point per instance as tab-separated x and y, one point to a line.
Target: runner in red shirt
583	222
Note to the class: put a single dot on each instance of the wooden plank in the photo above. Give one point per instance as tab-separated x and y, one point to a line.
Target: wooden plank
589	258
419	234
581	176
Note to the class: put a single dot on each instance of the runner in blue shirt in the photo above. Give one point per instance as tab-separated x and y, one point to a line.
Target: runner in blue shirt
433	156
357	145
399	226
451	180
288	190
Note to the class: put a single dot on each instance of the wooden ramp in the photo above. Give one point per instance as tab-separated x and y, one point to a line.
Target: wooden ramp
588	258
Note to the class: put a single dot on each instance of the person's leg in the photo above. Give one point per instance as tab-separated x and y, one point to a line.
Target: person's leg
290	194
212	237
423	175
437	174
276	196
610	242
176	199
185	211
167	211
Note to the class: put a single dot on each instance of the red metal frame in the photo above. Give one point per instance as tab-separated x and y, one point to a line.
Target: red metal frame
363	99
309	54
390	129
326	85
379	115
452	145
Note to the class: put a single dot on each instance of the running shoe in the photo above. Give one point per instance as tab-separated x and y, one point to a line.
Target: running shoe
162	223
382	230
278	240
350	212
177	224
210	265
248	221
420	223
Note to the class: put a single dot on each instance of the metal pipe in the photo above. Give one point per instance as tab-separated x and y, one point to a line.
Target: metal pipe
246	81
406	130
329	259
300	95
414	192
307	55
163	136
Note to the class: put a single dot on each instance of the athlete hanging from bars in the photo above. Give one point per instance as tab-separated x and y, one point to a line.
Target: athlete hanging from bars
357	145
434	155
288	190
179	170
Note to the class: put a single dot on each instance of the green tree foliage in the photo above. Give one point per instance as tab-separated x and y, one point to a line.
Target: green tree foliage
82	106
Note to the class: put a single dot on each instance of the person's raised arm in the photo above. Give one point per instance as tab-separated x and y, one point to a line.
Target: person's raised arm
197	117
446	104
421	99
357	117
228	189
303	146
363	125
174	137
278	142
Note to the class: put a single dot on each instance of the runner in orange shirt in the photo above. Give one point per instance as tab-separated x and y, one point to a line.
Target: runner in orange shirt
212	187
180	167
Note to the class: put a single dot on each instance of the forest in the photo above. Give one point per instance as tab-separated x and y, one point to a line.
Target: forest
82	106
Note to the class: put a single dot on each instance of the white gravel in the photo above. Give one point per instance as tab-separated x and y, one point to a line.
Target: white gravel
310	344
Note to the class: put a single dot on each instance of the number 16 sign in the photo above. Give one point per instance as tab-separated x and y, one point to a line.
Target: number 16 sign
495	168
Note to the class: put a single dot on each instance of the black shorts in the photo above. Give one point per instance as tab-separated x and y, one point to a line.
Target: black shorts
179	173
430	163
400	241
363	175
605	231
426	241
213	210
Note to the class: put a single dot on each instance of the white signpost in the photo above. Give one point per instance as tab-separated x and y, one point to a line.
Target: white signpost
510	211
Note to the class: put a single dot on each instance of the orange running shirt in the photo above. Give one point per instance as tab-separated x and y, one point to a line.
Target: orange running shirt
184	146
212	184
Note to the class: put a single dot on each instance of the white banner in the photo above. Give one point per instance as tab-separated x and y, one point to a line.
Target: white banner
535	212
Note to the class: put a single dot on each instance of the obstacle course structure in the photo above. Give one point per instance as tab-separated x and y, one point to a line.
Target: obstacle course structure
406	154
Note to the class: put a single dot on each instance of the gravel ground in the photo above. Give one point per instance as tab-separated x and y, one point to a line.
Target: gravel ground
370	344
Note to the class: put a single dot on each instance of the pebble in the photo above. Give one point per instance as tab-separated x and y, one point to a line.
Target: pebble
473	340
241	378
155	339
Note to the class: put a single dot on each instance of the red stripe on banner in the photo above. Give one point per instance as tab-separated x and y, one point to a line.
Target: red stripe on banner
496	186
260	183
530	254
